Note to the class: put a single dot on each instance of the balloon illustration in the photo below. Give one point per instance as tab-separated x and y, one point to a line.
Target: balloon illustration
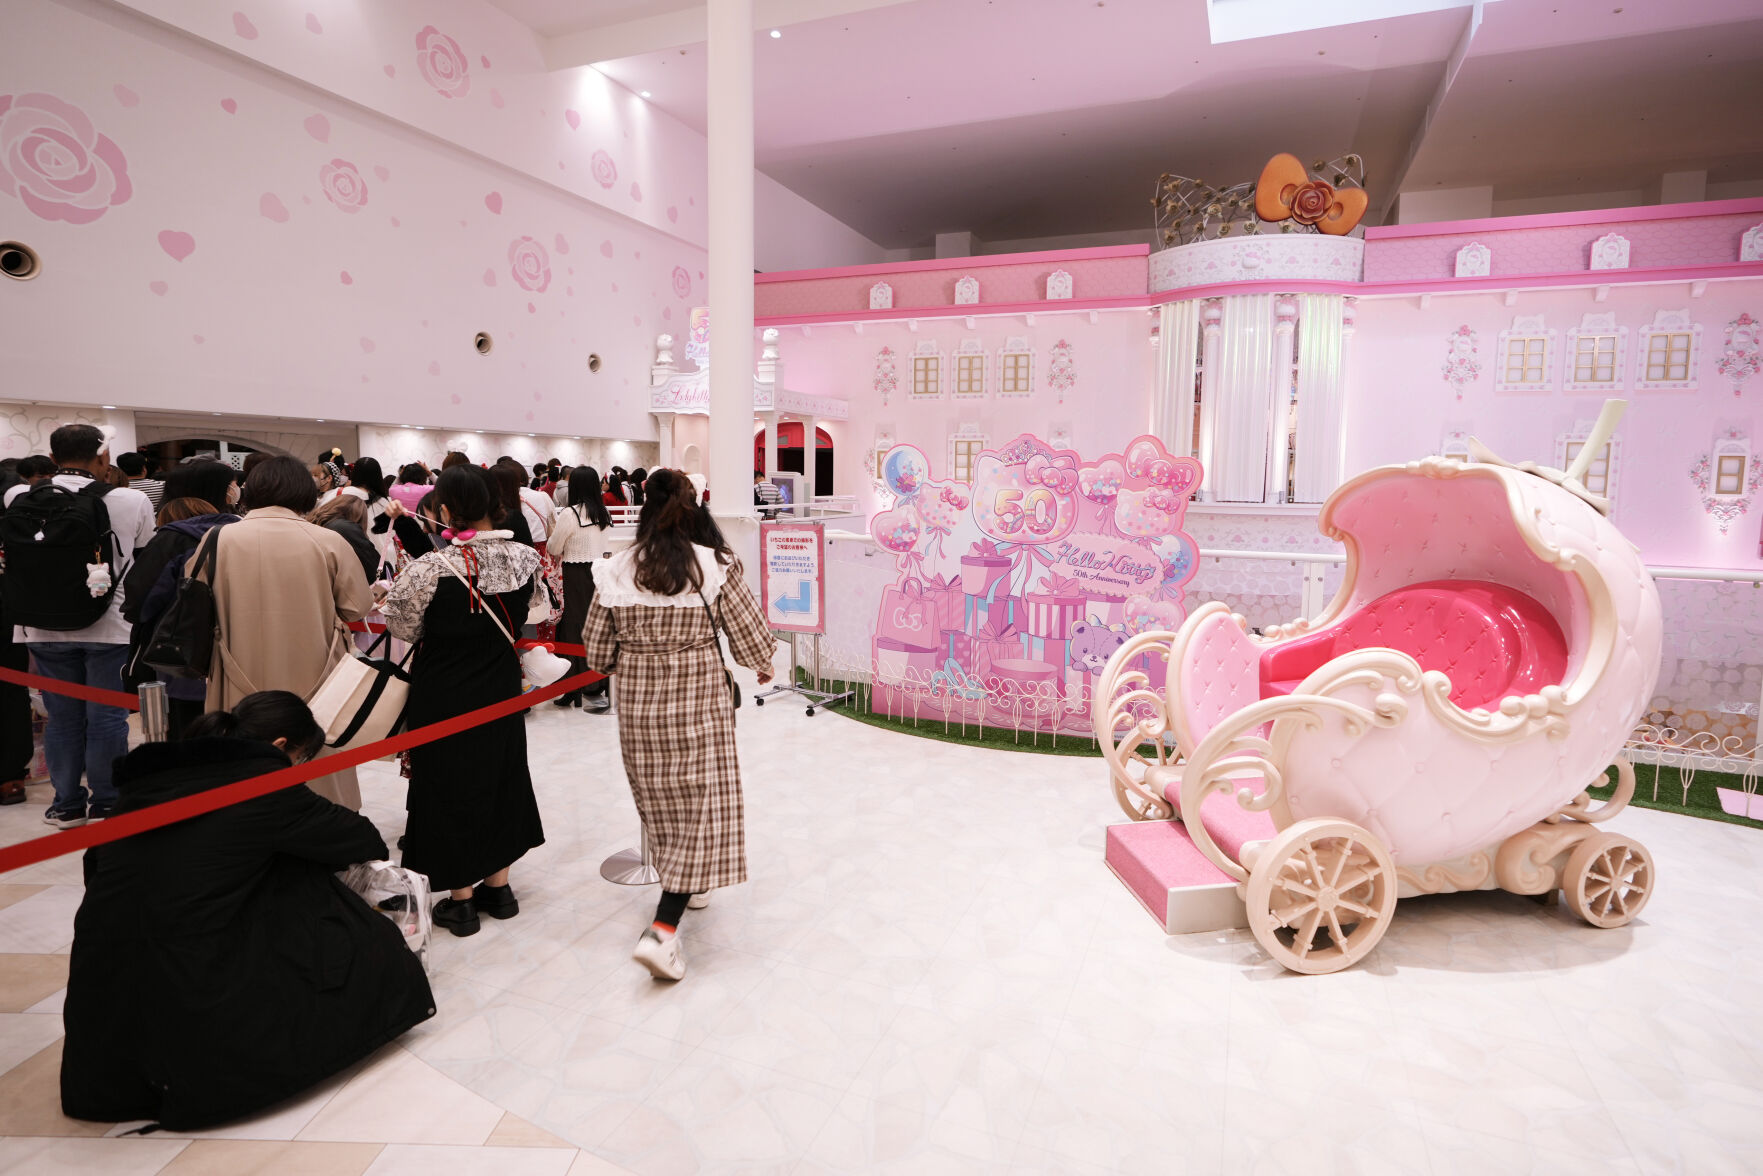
905	470
897	529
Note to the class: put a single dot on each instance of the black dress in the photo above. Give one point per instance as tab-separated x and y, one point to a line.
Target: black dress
471	805
218	965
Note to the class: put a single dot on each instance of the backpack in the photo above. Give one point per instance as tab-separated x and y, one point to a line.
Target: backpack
53	538
182	643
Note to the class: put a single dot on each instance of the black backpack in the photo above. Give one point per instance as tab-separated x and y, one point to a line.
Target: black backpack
49	535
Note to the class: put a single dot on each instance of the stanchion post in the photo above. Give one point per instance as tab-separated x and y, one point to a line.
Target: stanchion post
152	695
630	867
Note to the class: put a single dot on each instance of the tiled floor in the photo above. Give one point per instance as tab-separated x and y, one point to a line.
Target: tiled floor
932	971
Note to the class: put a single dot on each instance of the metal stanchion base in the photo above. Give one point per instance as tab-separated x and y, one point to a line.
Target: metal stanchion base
628	868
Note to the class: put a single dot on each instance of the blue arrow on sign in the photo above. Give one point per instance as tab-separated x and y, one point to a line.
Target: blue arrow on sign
799	603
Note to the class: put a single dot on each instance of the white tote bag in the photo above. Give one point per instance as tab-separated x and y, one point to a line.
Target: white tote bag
362	699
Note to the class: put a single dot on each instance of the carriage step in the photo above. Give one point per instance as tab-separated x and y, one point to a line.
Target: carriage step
1166	871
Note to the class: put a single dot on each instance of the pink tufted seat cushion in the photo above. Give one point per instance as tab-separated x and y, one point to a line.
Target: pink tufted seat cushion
1490	640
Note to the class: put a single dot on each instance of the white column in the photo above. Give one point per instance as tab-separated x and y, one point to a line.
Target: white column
1321	397
1172	406
770	443
809	428
663	439
1211	389
1285	316
730	66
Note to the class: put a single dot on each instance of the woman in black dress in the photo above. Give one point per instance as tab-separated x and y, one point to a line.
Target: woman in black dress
471	808
577	540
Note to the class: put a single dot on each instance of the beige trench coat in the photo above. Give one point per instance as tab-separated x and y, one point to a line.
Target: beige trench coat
282	590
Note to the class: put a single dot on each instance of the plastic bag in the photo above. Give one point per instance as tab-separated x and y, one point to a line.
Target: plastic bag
401	895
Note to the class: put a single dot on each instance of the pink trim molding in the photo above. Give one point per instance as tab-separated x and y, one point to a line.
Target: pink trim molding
1557	220
985	309
981	261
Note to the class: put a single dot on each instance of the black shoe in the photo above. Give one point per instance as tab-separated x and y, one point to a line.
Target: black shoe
567	700
498	902
12	792
100	812
457	917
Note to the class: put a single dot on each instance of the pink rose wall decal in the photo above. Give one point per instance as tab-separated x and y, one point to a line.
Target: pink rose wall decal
605	249
242	25
312	25
441	63
367	345
560	244
229	105
496	99
573	118
673	212
345	278
682	282
434	367
343	185
493	202
125	95
56	162
483	61
272	208
319	127
489	277
176	245
391	70
605	171
530	265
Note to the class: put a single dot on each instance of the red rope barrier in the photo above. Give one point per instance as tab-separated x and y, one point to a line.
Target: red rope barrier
57	686
182	809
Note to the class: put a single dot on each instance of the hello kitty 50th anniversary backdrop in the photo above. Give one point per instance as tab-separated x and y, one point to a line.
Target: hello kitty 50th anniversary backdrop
1012	590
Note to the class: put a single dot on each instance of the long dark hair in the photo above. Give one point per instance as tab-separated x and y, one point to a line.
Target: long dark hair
705	533
635	485
467	493
265	716
207	480
366	474
666	561
615	485
584	491
509	482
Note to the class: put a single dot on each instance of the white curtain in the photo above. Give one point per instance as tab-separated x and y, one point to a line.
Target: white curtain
1241	397
1321	424
1172	401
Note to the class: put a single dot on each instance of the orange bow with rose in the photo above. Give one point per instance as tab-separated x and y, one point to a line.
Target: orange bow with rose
1287	191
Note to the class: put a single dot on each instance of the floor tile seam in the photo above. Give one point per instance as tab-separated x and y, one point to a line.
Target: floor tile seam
849	1083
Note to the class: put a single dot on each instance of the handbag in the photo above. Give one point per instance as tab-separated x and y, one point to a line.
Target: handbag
182	644
540	665
362	699
734	689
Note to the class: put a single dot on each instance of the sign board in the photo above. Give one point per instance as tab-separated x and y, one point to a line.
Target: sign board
792	576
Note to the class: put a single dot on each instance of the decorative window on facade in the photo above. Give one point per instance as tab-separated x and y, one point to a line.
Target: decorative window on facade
964	450
1601	475
1595	351
1526	357
1669	348
1455	445
970	369
1016	368
927	372
1729	474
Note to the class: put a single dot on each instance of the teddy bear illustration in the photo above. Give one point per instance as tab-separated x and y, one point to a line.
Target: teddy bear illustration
1093	643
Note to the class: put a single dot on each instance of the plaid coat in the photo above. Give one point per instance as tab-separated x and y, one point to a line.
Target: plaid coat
676	722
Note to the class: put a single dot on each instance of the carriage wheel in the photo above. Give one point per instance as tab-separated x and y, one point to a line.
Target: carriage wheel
1608	879
1320	895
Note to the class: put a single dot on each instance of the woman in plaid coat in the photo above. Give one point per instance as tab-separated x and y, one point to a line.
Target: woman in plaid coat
654	621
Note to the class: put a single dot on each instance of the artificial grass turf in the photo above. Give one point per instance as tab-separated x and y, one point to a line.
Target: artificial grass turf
1703	801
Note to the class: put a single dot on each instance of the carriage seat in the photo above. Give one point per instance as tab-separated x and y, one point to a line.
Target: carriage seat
1492	641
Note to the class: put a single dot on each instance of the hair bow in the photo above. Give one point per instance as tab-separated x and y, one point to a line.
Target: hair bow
1056	473
452	536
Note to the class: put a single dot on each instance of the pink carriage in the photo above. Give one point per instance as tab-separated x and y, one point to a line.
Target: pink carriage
1493	645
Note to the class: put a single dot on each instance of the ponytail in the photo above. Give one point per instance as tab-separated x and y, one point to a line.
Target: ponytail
265	716
665	560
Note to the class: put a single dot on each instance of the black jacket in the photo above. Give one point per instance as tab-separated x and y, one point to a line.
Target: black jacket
365	551
218	965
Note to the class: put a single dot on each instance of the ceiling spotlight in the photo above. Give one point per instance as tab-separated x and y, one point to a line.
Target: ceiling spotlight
776	33
645	93
110	406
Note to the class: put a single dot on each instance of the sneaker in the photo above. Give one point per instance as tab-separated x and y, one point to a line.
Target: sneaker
457	917
698	901
498	902
100	812
598	705
661	956
70	817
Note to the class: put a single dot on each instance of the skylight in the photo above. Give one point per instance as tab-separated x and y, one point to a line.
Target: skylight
1244	20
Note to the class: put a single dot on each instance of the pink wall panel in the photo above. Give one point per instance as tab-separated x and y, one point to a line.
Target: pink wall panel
1561	248
242	242
1399	405
1108	405
1103	277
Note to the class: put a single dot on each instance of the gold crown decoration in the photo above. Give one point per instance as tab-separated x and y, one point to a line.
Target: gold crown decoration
1328	197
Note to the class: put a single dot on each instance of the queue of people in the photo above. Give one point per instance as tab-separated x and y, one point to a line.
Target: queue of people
218	963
